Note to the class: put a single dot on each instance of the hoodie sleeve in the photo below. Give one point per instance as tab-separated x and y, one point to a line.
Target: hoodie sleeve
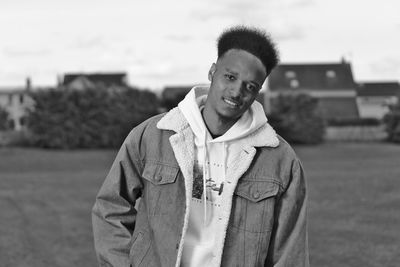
289	242
114	213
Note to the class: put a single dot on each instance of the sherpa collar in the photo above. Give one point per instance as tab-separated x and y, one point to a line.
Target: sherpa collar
265	136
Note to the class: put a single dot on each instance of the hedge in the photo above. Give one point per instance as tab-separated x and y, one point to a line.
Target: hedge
392	124
90	118
296	118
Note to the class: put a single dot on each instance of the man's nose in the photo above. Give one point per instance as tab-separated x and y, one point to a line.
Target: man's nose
236	89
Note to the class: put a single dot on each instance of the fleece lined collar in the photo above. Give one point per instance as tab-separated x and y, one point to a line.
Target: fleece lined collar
175	121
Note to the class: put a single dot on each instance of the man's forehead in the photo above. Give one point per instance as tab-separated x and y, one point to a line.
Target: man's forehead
241	62
233	56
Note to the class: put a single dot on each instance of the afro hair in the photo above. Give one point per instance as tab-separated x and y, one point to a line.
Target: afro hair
253	40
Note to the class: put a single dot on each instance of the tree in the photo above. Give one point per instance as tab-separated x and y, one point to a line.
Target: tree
90	118
392	123
295	117
4	119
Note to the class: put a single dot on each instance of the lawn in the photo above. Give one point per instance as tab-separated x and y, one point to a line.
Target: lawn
354	205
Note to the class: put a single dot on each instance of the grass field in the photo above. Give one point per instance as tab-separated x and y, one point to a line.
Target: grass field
354	205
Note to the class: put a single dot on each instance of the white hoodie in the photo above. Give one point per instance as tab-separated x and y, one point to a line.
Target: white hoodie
212	158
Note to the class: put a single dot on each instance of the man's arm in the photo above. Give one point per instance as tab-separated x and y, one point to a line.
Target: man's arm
113	214
289	243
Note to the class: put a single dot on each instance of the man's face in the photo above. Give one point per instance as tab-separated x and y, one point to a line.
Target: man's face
236	79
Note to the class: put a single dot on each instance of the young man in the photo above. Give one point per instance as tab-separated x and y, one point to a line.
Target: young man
218	186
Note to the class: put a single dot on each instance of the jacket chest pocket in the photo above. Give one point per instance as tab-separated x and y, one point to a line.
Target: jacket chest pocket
253	205
160	189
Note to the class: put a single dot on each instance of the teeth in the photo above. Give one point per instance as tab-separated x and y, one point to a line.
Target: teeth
231	102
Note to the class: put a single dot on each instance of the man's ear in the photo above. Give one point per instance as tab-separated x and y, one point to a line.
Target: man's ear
211	72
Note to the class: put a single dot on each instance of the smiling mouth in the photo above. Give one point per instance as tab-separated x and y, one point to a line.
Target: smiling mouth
231	103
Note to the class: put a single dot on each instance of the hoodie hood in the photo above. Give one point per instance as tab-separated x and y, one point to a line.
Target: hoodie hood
249	122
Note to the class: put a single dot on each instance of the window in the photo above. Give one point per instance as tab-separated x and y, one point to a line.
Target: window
290	74
22	121
331	74
10	97
294	83
12	124
21	98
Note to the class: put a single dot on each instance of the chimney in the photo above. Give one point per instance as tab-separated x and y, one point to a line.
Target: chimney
59	80
28	84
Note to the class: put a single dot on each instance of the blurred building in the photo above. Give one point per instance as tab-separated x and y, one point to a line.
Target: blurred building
16	101
331	83
80	81
375	98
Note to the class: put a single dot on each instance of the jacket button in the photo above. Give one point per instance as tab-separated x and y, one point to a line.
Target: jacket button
158	178
256	195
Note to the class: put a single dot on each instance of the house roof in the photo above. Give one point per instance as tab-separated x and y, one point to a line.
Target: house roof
320	76
105	78
378	89
12	90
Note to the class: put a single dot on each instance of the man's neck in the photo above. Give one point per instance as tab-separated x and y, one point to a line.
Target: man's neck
216	125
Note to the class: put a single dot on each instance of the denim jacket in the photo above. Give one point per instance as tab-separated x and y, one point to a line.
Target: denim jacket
265	214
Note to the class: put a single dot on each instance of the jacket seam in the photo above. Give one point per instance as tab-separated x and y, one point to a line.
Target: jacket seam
248	231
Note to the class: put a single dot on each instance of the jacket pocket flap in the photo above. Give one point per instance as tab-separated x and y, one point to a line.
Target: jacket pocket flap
159	174
256	191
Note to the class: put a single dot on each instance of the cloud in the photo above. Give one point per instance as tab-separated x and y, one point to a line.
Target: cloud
235	10
302	3
283	31
179	37
386	66
25	52
89	42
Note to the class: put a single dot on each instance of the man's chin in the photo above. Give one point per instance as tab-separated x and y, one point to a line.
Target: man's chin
227	115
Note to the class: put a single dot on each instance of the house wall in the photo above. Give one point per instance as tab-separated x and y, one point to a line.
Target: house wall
338	107
374	106
16	104
338	104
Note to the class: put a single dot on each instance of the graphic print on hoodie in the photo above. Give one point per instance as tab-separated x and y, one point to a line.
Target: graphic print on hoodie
211	184
212	157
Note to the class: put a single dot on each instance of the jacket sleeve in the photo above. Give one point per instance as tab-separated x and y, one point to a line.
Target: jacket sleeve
289	241
114	213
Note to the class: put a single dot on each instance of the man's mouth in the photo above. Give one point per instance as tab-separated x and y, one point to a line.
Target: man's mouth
231	103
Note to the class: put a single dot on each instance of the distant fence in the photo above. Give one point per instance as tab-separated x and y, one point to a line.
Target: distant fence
333	134
355	133
13	138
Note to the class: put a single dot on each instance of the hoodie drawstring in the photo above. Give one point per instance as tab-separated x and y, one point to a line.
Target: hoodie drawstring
205	172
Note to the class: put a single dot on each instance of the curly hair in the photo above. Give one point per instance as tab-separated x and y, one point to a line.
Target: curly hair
253	40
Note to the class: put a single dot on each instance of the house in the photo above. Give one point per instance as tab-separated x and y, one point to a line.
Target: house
374	98
80	81
331	83
16	101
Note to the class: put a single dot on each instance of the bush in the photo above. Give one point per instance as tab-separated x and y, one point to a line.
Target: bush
354	122
4	119
91	118
392	123
15	138
295	117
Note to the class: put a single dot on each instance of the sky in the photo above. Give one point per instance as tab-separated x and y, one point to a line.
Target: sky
164	43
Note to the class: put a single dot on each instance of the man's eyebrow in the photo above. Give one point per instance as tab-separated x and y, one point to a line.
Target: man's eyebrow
235	73
231	71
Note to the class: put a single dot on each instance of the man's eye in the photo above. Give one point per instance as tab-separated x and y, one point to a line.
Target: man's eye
229	77
251	87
